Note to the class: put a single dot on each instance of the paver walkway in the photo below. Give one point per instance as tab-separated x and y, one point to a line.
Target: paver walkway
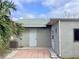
31	54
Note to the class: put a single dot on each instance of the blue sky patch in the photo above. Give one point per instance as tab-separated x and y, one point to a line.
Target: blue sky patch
45	8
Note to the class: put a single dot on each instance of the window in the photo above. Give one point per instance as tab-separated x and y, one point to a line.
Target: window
76	34
52	34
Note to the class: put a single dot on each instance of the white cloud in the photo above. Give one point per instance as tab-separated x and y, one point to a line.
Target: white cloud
70	9
21	10
42	16
29	1
29	16
49	2
14	19
54	3
64	8
24	16
19	3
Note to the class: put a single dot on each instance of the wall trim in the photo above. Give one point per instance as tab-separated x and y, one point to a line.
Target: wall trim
59	38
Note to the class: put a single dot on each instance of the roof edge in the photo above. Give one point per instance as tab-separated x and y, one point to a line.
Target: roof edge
65	19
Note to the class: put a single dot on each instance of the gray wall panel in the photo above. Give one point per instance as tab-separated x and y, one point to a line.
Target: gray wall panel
43	37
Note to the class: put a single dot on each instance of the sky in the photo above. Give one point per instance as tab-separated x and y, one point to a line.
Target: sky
29	9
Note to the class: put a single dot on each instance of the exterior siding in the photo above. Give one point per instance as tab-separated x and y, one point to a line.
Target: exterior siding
43	37
55	40
69	48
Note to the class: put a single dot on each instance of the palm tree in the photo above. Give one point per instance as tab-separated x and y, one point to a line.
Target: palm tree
7	26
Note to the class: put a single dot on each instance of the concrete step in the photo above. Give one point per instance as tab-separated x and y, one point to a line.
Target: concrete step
53	54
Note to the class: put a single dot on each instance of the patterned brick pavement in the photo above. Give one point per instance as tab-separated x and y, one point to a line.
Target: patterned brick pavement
32	53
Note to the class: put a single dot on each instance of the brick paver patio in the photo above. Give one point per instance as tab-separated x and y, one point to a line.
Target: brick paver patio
32	53
35	53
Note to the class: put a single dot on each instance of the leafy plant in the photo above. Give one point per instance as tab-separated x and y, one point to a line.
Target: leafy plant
7	26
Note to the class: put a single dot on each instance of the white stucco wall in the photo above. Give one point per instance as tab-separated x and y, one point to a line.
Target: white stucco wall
42	37
55	40
69	48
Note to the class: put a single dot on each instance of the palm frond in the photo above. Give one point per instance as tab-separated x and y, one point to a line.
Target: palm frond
7	26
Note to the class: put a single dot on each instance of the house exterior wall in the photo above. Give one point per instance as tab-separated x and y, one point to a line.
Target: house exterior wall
69	48
42	37
55	39
24	39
